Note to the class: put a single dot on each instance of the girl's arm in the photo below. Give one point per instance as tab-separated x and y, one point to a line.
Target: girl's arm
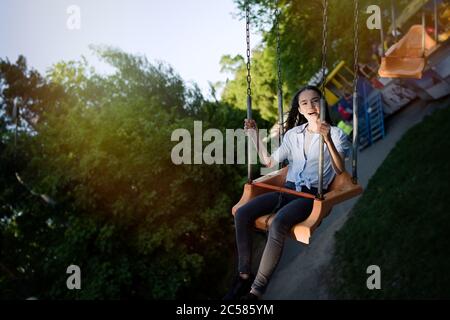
252	131
337	160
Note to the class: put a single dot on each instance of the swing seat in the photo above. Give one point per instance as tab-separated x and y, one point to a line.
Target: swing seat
392	67
342	188
406	58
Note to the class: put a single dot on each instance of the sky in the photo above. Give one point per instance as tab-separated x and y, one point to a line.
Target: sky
190	35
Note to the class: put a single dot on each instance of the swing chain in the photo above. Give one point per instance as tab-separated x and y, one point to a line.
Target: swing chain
277	13
322	100
356	45
249	78
355	95
324	43
277	29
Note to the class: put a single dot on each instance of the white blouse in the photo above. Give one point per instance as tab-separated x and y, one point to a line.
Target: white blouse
303	164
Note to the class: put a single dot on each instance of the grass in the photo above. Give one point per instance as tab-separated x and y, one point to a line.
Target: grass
402	222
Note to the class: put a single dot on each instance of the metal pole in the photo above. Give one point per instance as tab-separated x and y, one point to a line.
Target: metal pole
279	83
382	35
280	115
322	118
249	107
423	32
355	138
394	24
249	145
435	21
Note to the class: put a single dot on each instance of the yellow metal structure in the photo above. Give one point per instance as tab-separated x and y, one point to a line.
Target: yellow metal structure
338	83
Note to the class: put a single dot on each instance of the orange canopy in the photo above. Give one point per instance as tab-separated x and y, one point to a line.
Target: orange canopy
406	58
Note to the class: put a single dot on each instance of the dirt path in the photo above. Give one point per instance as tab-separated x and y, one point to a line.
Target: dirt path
301	273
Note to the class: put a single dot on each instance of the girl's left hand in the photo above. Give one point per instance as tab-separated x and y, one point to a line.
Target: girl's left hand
325	130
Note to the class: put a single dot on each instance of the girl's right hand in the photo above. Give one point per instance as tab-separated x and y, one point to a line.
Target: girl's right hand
249	124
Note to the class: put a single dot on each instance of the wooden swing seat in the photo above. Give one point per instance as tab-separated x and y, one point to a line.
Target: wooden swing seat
342	188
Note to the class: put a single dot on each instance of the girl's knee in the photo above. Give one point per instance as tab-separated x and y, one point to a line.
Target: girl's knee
242	216
278	226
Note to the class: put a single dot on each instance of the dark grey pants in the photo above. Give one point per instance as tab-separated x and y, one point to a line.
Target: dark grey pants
290	210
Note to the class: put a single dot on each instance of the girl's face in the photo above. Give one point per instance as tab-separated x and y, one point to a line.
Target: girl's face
309	105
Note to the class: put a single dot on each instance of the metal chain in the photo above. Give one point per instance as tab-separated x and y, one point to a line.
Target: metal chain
355	96
277	29
324	42
279	82
249	93
356	45
249	78
322	100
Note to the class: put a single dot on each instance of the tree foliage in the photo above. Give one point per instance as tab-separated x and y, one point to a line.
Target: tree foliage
136	224
301	26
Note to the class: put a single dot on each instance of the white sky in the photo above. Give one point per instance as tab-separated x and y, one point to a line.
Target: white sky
190	35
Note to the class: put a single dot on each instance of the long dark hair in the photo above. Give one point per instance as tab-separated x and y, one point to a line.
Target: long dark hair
295	118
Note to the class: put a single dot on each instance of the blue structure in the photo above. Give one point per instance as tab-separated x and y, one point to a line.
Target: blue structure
370	113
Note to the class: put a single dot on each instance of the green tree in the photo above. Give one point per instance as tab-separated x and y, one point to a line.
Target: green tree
136	224
264	84
300	45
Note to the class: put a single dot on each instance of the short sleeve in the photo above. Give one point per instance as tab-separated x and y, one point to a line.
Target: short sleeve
282	152
341	142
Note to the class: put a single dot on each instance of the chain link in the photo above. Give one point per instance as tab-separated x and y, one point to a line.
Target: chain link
355	95
356	45
247	20
277	13
324	43
277	30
